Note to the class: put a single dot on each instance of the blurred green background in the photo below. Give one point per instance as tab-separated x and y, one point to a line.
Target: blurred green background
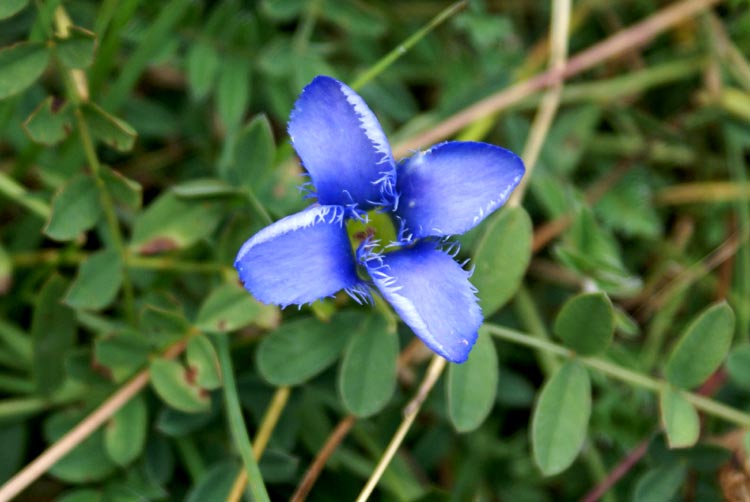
141	143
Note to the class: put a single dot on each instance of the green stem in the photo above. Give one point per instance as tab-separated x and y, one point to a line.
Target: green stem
171	264
401	49
532	321
617	372
109	211
306	26
191	457
16	192
237	423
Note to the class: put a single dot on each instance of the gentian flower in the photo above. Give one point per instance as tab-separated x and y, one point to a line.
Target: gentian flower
430	196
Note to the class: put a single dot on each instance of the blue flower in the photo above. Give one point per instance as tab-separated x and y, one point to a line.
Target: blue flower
430	196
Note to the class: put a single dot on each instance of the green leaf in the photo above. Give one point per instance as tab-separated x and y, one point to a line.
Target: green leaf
214	484
50	123
9	8
203	362
233	91
125	433
176	423
88	461
586	323
175	386
109	129
202	65
52	334
164	324
593	252
250	166
561	418
630	209
702	347
122	353
20	66
738	365
679	418
367	376
501	257
75	209
171	223
471	387
660	484
125	191
14	437
77	49
301	349
82	495
98	281
227	308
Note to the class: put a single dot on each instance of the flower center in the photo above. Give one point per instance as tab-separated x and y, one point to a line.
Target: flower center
378	227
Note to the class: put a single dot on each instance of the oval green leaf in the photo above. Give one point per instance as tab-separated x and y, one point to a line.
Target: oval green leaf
98	281
52	335
202	63
10	8
214	484
299	350
227	308
679	418
109	129
660	484
171	223
88	461
203	362
702	347
75	209
20	66
175	386
233	91
738	365
561	418
50	123
586	323
367	377
471	387
501	257
125	433
77	49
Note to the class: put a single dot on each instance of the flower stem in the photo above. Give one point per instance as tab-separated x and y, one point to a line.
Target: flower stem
407	44
410	413
237	423
619	373
80	432
77	90
16	192
267	425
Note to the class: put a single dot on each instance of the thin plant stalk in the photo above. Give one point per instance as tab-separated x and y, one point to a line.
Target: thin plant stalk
560	24
434	371
617	372
407	44
237	423
634	36
267	425
80	432
77	88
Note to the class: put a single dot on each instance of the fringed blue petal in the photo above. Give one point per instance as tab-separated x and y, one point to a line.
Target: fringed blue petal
432	294
342	146
450	188
299	259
